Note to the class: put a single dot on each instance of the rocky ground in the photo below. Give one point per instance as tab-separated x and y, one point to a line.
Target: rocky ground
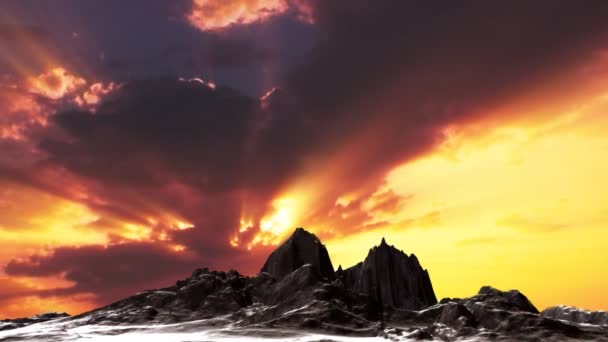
306	301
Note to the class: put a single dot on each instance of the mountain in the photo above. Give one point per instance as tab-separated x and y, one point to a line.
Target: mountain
300	249
298	296
392	278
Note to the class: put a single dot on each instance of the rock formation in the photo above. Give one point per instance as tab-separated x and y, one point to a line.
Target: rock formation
300	249
392	278
296	295
576	315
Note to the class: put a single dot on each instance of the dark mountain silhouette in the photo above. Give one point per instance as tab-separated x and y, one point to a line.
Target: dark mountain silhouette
392	278
389	294
300	249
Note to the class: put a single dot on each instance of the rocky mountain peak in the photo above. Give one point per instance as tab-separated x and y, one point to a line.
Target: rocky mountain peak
301	248
391	277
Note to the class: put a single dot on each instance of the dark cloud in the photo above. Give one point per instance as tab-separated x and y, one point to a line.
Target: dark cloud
164	144
20	34
109	272
150	39
155	131
227	53
394	73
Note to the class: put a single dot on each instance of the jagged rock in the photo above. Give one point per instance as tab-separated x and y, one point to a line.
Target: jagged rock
300	249
381	296
195	292
508	299
576	315
455	314
293	285
392	278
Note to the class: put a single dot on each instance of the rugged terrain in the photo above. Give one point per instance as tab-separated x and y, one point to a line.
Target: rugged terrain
298	296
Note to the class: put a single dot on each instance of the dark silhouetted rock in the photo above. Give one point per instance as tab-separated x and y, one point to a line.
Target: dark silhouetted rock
388	295
300	249
296	284
392	278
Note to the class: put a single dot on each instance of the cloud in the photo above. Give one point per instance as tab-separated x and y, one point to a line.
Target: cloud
163	132
383	81
212	15
19	34
347	116
55	84
226	52
387	77
107	272
12	288
180	149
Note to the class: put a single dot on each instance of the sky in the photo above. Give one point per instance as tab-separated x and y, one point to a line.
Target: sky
142	139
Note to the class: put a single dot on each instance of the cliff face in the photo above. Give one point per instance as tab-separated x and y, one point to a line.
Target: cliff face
300	249
392	278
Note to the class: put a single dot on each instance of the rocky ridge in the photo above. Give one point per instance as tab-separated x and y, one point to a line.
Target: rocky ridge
392	278
388	295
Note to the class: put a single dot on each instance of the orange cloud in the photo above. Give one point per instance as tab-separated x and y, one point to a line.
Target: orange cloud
211	15
93	95
19	111
56	83
25	103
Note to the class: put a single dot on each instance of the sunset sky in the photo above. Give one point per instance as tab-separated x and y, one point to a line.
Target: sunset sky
142	139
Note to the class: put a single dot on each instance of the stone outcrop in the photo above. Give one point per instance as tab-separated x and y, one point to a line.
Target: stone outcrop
391	277
513	297
576	315
388	295
300	249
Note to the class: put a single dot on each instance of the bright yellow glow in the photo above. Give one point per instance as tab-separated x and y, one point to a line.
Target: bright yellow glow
182	225
274	225
136	232
56	83
522	205
178	248
245	225
234	242
281	219
32	217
